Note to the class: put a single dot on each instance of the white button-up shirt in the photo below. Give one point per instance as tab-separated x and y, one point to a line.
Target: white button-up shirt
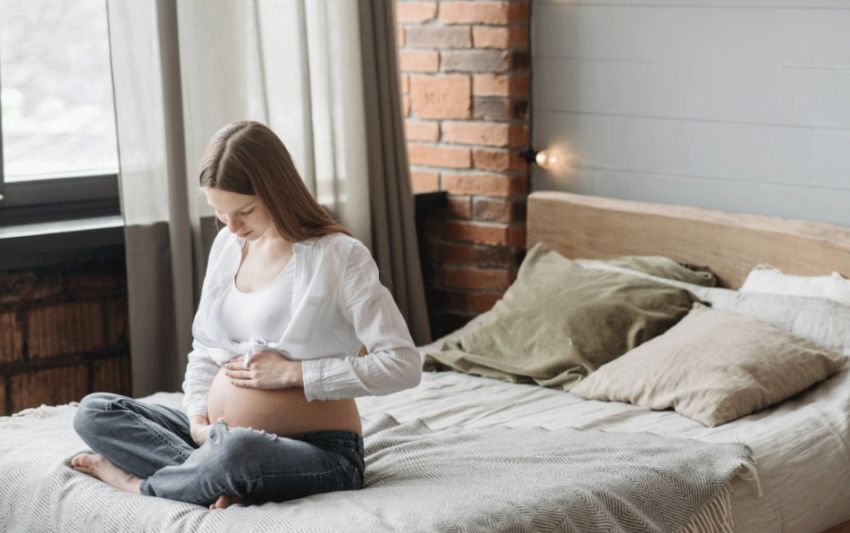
337	304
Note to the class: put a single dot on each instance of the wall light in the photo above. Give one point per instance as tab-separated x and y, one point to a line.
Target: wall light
544	158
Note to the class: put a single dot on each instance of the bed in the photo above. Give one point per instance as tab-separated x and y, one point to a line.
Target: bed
802	445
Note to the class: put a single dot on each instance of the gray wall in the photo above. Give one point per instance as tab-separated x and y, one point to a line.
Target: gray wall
737	105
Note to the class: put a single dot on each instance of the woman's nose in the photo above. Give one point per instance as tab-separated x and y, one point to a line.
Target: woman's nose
233	225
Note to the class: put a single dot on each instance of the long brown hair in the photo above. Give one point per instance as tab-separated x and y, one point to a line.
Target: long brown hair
248	158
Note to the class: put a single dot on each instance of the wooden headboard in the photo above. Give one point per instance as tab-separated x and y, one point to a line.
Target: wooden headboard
730	243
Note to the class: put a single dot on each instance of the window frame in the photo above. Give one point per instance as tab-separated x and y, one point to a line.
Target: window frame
55	199
44	200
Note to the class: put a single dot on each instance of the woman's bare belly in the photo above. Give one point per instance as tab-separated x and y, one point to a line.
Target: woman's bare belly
284	412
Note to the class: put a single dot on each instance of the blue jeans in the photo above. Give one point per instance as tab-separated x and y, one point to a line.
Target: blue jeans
153	442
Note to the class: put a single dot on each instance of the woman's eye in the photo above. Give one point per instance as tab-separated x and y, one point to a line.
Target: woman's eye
248	212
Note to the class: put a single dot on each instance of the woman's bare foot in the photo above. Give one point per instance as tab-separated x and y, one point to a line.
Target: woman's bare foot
224	501
99	467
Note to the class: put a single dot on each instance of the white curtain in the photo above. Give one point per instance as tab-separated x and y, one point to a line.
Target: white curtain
182	69
153	189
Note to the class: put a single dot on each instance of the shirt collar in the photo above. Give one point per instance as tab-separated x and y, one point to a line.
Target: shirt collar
307	243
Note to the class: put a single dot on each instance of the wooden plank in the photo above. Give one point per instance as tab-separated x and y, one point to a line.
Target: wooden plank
702	149
730	243
776	4
807	203
782	95
729	35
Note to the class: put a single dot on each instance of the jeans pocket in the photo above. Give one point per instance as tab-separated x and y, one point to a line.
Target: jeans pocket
353	474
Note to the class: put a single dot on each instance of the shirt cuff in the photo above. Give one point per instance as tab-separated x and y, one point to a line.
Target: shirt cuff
312	377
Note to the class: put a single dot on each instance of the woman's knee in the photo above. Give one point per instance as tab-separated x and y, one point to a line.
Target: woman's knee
91	410
233	446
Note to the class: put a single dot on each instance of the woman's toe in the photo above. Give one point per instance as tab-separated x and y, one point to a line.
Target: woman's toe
82	460
220	503
224	501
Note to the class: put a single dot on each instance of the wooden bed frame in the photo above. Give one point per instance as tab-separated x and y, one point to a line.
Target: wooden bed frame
730	243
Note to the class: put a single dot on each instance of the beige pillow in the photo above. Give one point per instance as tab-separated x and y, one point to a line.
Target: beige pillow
713	366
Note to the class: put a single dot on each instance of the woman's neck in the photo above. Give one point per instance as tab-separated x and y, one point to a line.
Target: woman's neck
271	242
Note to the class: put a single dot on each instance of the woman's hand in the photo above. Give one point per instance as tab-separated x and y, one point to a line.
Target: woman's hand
266	370
199	428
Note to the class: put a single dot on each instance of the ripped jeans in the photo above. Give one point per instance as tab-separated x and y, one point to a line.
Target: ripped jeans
153	442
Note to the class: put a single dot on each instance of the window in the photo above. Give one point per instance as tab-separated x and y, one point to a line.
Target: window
58	146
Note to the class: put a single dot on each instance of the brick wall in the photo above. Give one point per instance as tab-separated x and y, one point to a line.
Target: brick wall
63	333
465	84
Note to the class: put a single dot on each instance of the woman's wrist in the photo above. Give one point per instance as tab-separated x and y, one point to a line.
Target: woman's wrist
198	421
199	428
297	374
290	373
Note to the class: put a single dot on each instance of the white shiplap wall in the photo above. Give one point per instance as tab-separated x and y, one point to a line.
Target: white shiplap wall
737	105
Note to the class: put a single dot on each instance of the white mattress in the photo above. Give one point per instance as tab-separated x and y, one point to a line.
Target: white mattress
802	446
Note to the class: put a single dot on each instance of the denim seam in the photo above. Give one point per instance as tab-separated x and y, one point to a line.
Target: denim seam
303	474
141	420
353	478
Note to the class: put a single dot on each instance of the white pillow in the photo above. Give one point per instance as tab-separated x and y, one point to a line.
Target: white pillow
824	321
770	280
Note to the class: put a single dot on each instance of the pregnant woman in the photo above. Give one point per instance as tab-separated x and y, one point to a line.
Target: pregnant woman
288	301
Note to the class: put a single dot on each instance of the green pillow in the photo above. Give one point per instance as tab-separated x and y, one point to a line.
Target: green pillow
558	322
662	267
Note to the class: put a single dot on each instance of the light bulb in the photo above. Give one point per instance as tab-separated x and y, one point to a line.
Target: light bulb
541	158
546	159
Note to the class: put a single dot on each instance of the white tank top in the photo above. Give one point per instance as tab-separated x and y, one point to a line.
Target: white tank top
262	314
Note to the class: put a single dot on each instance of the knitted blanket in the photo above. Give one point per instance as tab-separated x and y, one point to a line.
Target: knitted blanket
417	479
